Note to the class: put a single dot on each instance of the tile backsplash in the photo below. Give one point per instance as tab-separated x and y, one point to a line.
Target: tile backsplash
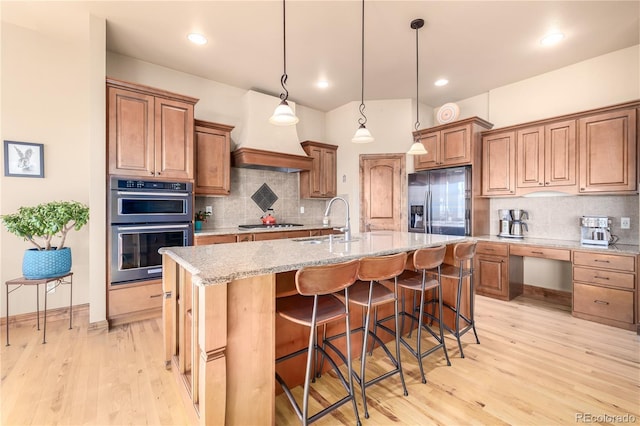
558	217
239	208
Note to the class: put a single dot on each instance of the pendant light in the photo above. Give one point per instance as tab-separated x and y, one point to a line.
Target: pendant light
283	115
417	148
362	134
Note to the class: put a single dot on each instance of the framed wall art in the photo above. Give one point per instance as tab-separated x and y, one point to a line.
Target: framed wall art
23	159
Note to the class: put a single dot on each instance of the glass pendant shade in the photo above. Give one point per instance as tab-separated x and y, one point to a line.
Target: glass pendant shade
362	135
283	115
417	149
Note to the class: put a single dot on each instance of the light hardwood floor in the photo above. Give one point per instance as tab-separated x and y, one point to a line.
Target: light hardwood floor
536	364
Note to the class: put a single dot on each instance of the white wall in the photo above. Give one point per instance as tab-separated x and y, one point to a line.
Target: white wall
46	98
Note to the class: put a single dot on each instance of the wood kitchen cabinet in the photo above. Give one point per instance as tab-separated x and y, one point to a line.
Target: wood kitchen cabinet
127	303
604	288
449	145
201	240
495	275
320	181
212	158
498	164
149	131
608	152
546	158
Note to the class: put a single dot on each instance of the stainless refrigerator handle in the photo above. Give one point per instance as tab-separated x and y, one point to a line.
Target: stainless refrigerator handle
427	209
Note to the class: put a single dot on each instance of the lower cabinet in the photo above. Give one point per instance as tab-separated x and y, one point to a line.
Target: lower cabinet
496	275
133	302
604	288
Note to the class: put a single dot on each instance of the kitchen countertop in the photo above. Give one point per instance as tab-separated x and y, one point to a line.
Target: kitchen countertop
222	263
236	230
563	244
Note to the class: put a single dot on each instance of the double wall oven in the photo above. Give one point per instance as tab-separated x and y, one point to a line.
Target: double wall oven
145	216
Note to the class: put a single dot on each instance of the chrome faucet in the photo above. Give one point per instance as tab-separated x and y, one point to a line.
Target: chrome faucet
347	225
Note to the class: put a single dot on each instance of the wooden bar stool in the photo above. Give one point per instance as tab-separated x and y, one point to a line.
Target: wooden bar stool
314	306
463	254
427	263
369	293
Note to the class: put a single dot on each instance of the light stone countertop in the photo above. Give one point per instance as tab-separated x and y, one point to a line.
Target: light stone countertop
563	244
221	263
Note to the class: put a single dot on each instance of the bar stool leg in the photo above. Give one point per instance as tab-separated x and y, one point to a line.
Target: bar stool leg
471	303
363	358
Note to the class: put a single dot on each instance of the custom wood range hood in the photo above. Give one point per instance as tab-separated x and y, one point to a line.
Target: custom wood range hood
264	146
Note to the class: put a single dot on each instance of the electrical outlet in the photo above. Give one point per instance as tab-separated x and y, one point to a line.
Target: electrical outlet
51	287
625	223
208	209
301	209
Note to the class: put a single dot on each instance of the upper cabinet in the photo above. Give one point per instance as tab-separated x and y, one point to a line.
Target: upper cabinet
583	153
449	145
320	181
547	157
213	158
608	152
498	164
150	131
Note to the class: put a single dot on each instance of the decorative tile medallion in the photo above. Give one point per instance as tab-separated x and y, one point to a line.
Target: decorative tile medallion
264	197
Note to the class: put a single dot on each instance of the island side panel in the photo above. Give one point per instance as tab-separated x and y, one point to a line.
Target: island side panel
209	390
250	351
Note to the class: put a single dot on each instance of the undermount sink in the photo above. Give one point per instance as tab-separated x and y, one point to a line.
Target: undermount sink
323	239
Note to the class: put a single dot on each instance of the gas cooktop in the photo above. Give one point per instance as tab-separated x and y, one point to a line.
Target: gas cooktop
262	225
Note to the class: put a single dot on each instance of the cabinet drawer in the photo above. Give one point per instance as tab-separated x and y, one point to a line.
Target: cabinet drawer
134	299
546	253
264	236
214	239
603	302
494	249
603	277
603	260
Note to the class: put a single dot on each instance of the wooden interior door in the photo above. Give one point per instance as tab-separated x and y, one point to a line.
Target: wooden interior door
382	192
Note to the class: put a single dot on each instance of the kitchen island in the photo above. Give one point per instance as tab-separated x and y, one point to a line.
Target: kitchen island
219	315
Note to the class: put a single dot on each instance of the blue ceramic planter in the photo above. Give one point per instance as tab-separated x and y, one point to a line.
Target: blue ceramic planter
38	264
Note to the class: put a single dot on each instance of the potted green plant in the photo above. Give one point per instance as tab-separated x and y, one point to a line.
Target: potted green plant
200	217
39	225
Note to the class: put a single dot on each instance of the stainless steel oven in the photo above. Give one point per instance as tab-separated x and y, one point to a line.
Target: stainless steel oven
134	249
145	216
136	201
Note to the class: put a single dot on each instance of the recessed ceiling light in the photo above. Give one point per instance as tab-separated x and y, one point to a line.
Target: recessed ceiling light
441	82
322	84
197	38
551	39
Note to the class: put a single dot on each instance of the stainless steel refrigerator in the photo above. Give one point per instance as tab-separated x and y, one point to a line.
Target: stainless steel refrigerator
440	201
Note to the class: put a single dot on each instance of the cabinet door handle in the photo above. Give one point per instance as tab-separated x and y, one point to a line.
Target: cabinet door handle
489	249
601	302
536	252
157	295
601	278
602	261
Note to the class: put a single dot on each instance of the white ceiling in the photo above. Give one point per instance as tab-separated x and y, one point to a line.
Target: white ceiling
477	45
